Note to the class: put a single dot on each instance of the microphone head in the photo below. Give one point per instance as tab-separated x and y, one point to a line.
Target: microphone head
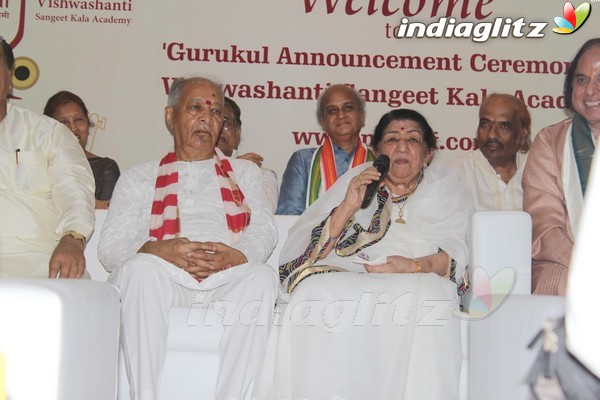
382	163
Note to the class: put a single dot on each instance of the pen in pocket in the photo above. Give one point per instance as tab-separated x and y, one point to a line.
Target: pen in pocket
17	155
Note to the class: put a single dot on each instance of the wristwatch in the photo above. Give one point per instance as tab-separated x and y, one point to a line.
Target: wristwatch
76	235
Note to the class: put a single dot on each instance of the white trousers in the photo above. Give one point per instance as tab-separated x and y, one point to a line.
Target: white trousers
150	286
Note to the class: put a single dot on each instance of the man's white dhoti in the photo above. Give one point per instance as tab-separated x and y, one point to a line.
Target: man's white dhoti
150	286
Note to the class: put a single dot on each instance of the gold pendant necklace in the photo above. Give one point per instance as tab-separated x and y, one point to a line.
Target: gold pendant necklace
401	205
402	199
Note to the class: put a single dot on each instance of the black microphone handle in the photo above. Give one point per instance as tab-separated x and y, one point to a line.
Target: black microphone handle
382	163
370	193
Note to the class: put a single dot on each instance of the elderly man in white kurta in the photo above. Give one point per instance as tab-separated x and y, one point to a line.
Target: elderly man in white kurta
46	191
193	228
493	172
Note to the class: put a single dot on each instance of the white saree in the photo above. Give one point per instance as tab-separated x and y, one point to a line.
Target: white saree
350	336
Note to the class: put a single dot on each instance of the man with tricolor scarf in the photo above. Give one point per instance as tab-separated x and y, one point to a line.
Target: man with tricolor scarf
556	174
311	172
192	228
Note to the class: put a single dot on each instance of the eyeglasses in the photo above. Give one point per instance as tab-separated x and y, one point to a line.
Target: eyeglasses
228	124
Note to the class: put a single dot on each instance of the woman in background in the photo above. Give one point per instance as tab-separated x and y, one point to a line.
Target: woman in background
69	109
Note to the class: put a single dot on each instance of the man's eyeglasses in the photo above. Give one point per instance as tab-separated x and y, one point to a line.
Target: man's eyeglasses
228	124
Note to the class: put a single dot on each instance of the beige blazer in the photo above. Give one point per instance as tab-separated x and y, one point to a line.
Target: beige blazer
544	199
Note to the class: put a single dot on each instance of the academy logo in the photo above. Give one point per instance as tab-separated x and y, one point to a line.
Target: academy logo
26	71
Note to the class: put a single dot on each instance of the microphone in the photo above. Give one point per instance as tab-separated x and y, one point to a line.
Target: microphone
382	163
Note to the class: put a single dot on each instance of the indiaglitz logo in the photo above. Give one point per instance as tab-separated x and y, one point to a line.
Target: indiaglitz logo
573	18
478	32
500	27
488	293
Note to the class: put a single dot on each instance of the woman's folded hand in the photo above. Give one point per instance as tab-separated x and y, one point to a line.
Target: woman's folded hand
394	265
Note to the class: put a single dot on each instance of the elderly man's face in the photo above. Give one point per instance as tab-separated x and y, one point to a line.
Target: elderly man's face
231	132
500	133
586	88
196	120
342	119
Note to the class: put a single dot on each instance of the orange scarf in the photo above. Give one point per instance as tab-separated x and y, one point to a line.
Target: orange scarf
323	172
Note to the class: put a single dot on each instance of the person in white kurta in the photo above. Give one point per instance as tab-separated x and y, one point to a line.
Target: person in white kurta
46	191
494	172
270	185
489	190
151	284
383	327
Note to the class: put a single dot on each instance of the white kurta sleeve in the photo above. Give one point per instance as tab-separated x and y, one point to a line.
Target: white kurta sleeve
126	227
260	237
271	187
72	183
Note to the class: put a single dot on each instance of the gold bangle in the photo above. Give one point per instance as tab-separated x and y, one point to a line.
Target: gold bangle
417	265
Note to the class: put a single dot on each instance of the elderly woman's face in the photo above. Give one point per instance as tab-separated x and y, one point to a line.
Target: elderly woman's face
403	142
72	115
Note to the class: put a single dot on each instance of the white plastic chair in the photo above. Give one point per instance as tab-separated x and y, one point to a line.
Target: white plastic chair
502	239
59	339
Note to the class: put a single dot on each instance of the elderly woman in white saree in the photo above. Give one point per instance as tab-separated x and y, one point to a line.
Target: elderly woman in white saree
381	326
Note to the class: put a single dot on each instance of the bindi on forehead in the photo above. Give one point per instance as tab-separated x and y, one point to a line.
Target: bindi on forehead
205	101
401	130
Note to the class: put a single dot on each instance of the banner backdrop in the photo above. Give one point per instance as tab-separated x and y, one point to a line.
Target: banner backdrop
275	57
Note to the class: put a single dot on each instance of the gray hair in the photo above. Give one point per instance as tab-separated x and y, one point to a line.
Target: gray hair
360	100
178	85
